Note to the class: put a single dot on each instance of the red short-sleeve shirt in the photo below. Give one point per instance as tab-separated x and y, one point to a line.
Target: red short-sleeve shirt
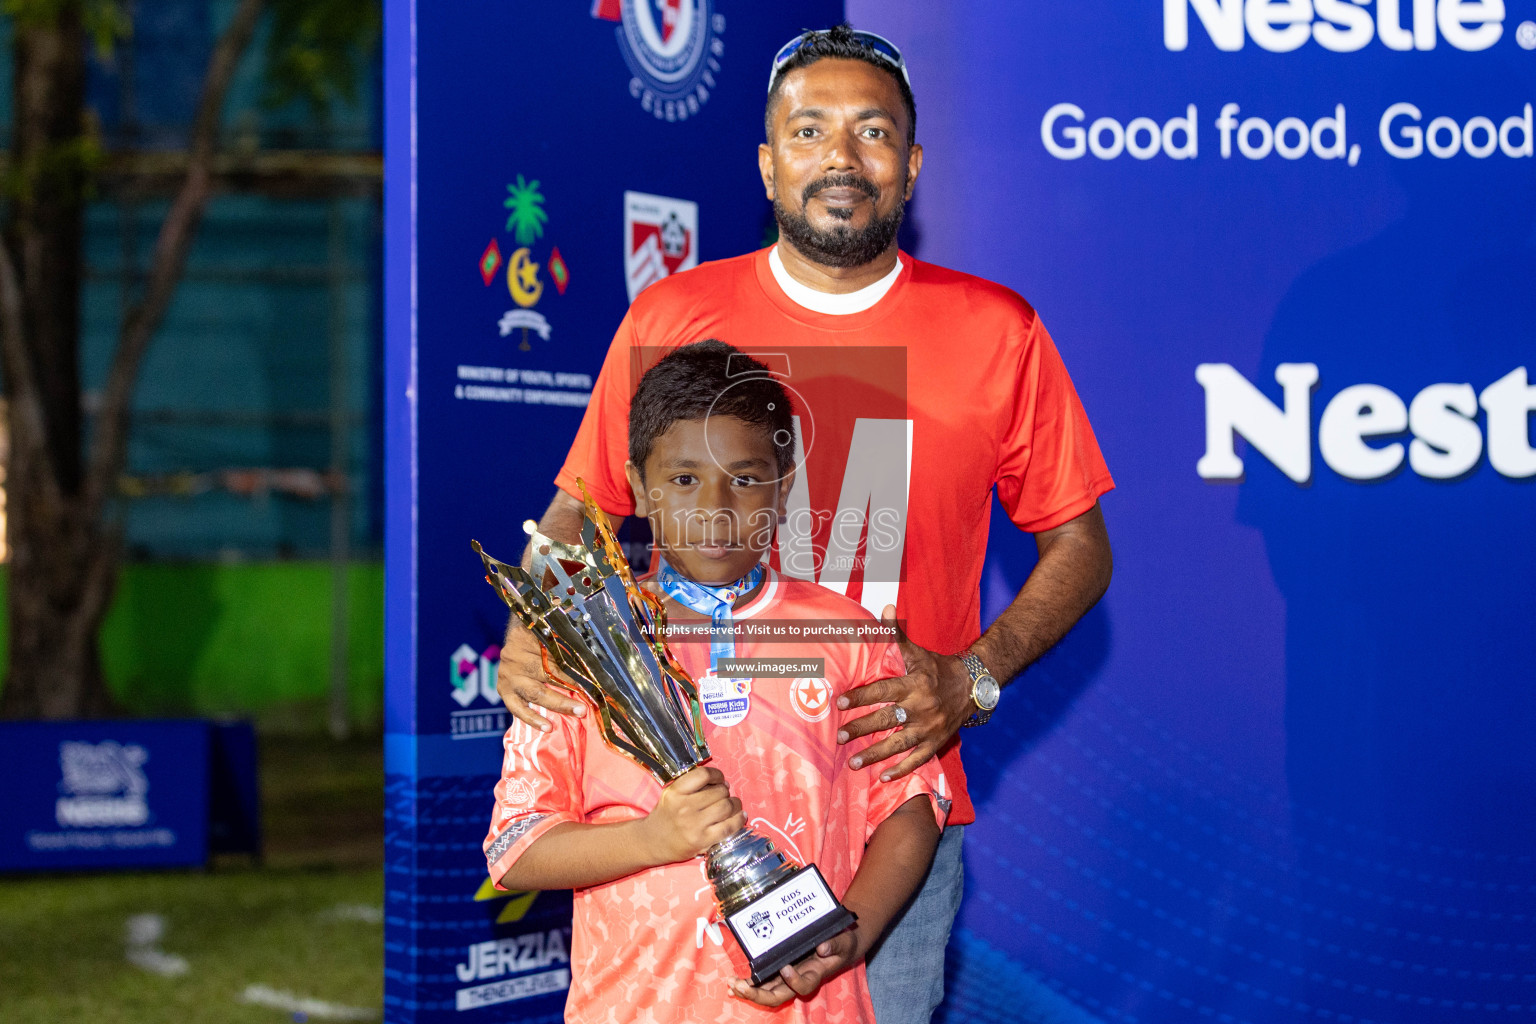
909	413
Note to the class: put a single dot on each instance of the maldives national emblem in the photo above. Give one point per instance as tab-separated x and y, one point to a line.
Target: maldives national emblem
526	221
661	237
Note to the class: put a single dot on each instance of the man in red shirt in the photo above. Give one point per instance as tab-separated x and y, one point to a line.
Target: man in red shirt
711	463
917	391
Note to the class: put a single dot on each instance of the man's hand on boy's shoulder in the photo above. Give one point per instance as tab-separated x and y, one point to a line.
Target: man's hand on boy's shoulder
934	696
804	979
524	686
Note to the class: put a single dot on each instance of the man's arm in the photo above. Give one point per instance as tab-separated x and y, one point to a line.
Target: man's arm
895	863
694	813
1072	573
520	679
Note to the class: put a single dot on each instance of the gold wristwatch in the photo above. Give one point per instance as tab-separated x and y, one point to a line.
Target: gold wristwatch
984	689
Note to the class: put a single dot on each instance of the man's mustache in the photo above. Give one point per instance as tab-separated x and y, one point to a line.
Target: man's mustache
840	181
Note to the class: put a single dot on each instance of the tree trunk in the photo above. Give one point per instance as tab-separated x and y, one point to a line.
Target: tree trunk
57	550
61	578
50	153
60	504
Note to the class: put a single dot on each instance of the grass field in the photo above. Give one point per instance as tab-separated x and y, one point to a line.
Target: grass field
305	923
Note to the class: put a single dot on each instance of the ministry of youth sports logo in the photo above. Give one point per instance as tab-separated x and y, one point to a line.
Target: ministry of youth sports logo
673	49
526	221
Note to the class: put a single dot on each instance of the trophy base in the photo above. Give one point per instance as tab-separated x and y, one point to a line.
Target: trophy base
787	923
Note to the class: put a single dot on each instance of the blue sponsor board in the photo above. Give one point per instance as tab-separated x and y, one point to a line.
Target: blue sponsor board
1284	772
103	795
543	164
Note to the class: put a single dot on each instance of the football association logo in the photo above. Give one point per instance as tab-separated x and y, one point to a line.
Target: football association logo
761	924
661	237
673	49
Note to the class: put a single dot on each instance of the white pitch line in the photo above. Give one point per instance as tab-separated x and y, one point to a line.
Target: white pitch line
167	965
360	912
262	995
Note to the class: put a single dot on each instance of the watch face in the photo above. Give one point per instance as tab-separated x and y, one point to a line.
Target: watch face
985	693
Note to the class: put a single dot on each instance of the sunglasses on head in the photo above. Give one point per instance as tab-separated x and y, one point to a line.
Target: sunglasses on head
880	46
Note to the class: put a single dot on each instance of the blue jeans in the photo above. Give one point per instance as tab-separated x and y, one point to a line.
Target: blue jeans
906	970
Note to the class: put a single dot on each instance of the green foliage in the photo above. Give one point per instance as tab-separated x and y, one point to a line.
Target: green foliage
34	13
75	160
527	219
179	637
318	49
105	21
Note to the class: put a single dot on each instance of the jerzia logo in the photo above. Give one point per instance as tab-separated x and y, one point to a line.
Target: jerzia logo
661	237
525	274
514	967
1343	26
673	49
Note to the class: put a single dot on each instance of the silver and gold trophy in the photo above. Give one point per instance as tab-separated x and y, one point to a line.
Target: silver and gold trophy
607	635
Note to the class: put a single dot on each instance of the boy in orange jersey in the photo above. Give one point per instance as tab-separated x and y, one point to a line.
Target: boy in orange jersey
711	463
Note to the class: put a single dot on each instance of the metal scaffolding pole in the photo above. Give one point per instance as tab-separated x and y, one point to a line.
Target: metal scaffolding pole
341	442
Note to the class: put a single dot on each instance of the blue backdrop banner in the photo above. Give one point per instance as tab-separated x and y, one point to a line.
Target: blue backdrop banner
543	163
1284	771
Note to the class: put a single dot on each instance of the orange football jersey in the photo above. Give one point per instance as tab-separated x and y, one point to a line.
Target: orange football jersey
651	947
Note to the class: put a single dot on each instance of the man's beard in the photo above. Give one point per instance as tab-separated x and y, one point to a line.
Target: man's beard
841	246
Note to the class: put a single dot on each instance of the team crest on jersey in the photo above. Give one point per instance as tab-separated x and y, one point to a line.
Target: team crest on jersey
661	237
673	49
811	698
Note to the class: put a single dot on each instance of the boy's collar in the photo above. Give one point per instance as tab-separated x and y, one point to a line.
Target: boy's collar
747	604
741	591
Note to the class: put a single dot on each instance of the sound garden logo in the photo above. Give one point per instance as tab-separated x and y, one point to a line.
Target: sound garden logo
672	47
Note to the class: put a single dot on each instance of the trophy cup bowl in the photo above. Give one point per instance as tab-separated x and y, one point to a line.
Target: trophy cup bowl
607	636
